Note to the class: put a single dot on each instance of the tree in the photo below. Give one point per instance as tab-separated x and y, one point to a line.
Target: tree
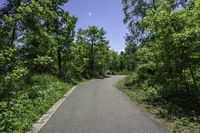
12	69
136	10
64	26
31	34
10	30
37	43
114	64
49	30
95	38
167	59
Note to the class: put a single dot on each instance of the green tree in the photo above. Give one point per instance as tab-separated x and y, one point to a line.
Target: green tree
136	10
114	64
175	46
64	26
38	44
95	38
12	68
49	33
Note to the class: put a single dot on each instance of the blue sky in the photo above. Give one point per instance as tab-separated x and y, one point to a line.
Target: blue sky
2	2
102	13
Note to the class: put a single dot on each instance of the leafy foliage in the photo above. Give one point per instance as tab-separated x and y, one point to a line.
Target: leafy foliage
167	57
37	45
31	103
98	51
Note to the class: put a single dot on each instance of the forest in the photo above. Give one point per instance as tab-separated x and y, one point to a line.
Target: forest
42	56
163	51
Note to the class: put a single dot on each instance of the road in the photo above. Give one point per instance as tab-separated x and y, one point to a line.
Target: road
98	107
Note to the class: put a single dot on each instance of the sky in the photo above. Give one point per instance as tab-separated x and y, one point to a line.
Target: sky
105	14
2	2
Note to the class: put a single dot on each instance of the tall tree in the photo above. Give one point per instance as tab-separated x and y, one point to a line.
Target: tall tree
12	69
136	10
49	29
95	38
10	29
169	59
64	26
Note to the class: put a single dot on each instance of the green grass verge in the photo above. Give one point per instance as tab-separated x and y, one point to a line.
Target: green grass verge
162	109
34	99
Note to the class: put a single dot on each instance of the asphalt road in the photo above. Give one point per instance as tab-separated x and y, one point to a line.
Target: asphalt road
98	107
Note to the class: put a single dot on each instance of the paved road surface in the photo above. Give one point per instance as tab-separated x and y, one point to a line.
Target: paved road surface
98	107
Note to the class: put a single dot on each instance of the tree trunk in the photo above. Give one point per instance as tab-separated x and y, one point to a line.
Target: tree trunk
59	61
92	59
14	27
13	36
154	5
193	78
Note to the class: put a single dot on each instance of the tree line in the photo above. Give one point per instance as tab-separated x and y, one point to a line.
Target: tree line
38	37
164	43
41	55
163	48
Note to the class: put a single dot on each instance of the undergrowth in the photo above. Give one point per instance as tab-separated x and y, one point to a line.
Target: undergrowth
179	110
31	103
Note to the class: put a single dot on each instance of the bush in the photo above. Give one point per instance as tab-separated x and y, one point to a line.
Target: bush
131	80
35	99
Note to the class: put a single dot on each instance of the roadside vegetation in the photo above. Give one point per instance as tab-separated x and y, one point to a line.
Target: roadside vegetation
164	46
32	100
180	113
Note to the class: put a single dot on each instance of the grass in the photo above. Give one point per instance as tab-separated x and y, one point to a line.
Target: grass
34	99
180	113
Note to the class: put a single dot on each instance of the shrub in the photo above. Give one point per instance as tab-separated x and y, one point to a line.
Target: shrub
35	99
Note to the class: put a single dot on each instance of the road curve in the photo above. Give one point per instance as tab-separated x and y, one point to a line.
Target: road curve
98	107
